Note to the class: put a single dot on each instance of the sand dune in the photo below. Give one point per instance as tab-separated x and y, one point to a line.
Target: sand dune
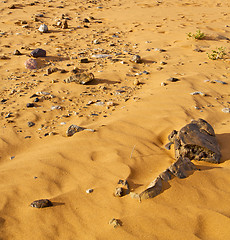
131	106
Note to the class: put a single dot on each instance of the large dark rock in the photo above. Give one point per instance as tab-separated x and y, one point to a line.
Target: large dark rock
197	141
38	53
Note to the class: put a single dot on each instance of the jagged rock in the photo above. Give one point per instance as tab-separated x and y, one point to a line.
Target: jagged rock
197	141
181	166
38	53
153	189
73	129
166	175
17	52
42	203
80	78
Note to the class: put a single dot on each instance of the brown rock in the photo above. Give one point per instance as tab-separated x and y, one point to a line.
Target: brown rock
42	203
153	189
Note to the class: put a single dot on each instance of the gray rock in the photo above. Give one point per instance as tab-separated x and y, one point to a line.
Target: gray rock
73	129
30	124
43	28
136	59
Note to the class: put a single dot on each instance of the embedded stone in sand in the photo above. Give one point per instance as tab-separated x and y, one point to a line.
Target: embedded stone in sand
80	78
42	203
31	63
73	129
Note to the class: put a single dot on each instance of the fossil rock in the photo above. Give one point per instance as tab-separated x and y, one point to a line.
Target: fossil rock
80	78
42	203
197	141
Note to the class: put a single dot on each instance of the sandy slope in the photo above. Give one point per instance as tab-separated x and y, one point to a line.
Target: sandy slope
129	138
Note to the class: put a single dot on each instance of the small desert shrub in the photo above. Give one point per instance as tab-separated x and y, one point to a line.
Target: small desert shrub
219	53
198	35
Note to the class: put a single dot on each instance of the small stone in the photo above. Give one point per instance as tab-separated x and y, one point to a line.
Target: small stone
84	60
136	82
172	79
73	129
119	192
219	81
36	99
12	6
65	24
42	203
198	93
226	110
11	158
38	53
29	105
31	63
30	124
17	52
90	190
43	28
163	84
115	222
136	59
85	20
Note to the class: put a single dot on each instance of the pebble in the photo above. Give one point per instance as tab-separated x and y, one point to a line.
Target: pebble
38	53
101	55
90	190
29	105
198	93
42	203
115	222
219	81
136	59
163	84
226	110
172	79
31	63
84	60
30	124
43	28
136	82
17	52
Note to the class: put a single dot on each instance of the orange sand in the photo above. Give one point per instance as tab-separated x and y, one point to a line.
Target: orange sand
129	142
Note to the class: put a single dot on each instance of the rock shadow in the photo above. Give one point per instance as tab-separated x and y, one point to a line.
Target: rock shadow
56	204
97	81
224	140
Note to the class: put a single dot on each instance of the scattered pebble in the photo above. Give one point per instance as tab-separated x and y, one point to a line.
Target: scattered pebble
172	79
73	129
17	52
30	124
29	105
136	59
198	93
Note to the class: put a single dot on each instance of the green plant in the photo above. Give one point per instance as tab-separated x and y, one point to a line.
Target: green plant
219	53
198	35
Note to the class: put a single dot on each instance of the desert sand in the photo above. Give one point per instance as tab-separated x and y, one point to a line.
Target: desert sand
132	107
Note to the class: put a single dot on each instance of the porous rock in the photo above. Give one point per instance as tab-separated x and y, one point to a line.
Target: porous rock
196	140
42	203
80	78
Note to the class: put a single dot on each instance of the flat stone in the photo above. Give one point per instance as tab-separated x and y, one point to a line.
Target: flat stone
80	78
